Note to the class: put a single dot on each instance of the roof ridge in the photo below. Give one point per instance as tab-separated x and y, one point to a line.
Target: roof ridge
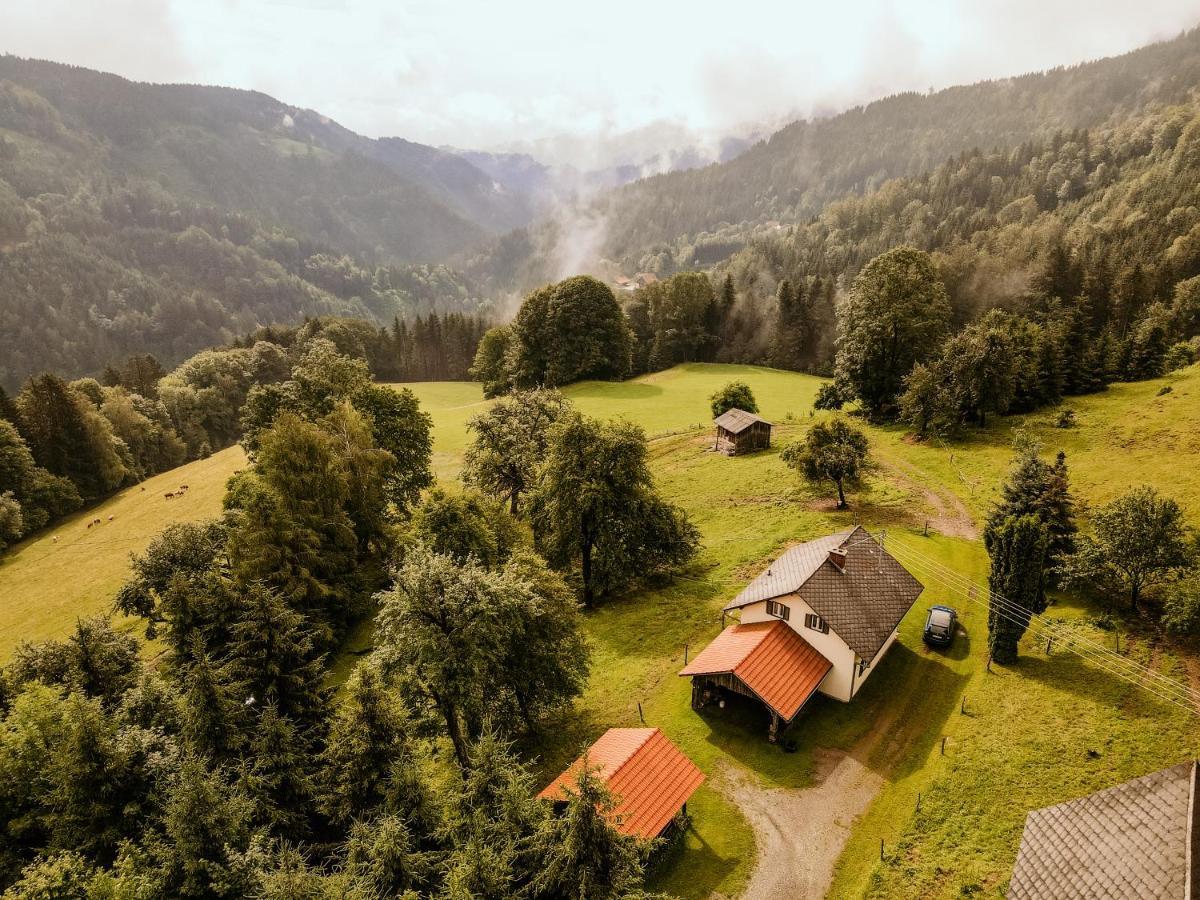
650	733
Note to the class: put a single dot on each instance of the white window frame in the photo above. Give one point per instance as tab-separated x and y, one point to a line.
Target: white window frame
816	623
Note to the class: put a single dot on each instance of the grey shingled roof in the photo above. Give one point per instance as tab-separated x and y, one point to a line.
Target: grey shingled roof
1129	841
736	420
862	605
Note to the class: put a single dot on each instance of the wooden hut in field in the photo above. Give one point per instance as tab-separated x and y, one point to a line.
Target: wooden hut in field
741	432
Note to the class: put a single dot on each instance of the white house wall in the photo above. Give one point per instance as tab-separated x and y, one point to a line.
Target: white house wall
840	683
861	679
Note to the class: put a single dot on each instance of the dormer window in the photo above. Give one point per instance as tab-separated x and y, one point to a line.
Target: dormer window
778	610
816	623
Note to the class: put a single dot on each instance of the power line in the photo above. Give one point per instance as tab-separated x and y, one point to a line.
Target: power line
1176	693
1105	665
1051	629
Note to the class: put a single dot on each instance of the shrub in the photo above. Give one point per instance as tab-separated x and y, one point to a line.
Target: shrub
735	395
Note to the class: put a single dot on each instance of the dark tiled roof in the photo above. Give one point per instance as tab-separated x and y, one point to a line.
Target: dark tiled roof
862	604
736	421
789	571
649	777
770	658
1126	842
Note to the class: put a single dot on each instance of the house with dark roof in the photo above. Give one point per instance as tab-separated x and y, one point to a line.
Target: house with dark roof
818	620
1137	840
648	776
739	431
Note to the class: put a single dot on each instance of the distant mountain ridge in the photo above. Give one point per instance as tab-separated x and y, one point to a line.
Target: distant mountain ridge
793	174
166	218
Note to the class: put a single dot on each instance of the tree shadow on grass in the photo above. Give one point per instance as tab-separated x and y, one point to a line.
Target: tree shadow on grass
689	862
603	390
891	724
1070	673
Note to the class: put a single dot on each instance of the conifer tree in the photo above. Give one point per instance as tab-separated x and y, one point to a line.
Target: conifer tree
585	858
211	715
1018	547
382	859
272	659
366	743
278	776
1034	487
206	833
295	534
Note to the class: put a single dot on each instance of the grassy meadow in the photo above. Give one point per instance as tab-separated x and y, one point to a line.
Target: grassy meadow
1050	728
1047	729
69	570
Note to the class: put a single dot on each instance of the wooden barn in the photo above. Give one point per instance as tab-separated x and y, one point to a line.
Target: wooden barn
741	432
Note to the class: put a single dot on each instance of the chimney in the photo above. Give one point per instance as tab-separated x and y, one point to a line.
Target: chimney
837	556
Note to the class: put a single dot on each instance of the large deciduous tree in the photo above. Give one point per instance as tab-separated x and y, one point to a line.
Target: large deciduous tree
1139	541
597	513
735	395
896	316
831	451
467	645
570	331
509	443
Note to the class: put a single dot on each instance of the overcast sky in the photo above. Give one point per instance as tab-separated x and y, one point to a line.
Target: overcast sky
560	75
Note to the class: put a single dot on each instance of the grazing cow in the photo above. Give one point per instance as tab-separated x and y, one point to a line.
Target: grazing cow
169	494
96	521
54	539
90	524
110	518
183	487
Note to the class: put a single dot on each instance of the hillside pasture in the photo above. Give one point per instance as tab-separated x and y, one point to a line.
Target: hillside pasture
69	571
1050	728
1016	738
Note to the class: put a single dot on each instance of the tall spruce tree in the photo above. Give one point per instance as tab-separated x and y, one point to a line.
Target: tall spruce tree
273	660
1035	487
278	775
367	743
1018	547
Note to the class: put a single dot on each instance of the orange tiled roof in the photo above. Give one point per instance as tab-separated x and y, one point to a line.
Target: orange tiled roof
649	777
770	658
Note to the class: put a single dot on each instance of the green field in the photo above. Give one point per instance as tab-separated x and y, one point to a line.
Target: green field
1048	729
70	570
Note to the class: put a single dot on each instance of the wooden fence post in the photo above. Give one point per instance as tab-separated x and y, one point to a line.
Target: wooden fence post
640	716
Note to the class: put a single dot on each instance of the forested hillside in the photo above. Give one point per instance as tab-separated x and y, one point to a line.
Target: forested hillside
166	218
799	169
697	218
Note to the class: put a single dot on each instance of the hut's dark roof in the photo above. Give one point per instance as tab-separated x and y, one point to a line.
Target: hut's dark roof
1135	840
735	421
862	604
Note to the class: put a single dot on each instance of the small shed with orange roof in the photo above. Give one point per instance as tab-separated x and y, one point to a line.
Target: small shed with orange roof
765	660
648	776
